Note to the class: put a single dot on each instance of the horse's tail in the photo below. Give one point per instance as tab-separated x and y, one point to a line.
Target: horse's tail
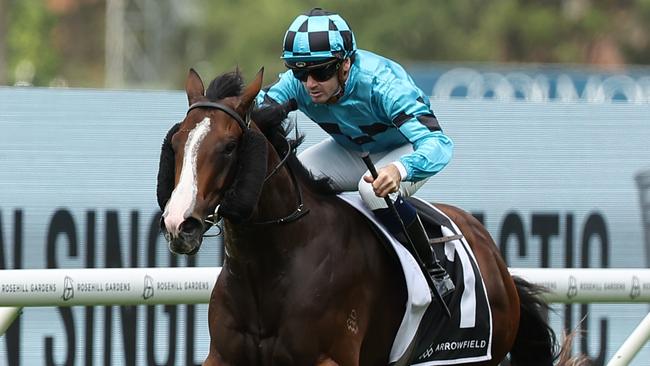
536	344
566	359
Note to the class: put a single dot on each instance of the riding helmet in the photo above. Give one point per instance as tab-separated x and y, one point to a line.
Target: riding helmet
318	35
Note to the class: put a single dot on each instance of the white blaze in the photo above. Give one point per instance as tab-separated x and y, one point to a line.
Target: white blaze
183	199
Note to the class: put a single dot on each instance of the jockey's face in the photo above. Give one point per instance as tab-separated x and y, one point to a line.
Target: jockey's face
321	91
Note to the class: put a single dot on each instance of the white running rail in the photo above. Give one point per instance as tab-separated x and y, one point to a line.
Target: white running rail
193	285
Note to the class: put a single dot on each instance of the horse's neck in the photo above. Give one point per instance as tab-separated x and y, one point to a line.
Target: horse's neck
280	194
280	198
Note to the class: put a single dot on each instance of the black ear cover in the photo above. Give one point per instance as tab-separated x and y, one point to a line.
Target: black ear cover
166	169
241	198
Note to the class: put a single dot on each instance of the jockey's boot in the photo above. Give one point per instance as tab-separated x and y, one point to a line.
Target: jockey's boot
414	229
420	240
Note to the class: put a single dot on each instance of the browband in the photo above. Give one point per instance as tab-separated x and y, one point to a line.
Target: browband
229	111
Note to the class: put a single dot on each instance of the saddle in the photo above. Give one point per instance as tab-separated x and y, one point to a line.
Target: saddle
441	340
433	221
466	336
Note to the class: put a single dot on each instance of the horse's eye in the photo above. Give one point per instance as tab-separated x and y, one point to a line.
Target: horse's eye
230	147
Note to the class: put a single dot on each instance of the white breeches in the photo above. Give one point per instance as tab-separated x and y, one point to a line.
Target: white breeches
346	169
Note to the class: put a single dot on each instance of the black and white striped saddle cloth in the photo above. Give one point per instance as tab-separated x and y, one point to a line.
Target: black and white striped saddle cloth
466	336
427	336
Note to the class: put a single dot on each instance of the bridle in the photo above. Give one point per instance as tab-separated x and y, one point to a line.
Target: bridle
224	108
214	218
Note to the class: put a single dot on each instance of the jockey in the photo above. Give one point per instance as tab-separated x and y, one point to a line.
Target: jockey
367	104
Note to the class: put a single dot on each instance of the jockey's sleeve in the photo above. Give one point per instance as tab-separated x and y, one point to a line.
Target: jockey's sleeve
410	112
280	92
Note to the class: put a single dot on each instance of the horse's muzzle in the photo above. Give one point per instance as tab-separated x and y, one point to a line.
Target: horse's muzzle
189	238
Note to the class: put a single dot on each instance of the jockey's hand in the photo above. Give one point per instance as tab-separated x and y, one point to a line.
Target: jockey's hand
388	179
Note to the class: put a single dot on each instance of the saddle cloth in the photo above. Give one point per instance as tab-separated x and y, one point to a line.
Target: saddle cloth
426	335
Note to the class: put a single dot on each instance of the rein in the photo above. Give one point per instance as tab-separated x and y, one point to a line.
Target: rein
299	212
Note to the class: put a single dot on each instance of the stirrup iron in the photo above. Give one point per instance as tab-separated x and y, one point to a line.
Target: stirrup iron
443	283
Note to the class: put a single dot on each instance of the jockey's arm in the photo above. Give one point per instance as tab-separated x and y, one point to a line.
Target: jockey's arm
276	101
410	112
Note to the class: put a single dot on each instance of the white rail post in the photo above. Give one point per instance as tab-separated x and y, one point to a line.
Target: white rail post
7	316
632	344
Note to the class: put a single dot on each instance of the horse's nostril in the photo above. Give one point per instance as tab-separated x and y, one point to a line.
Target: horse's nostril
190	225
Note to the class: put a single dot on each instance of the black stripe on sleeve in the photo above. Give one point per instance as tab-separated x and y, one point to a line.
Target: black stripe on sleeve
331	128
374	129
334	129
430	121
401	119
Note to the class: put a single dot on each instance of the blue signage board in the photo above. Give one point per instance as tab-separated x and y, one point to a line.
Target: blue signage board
558	184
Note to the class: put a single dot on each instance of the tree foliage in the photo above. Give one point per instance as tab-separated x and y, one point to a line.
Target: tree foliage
29	42
215	36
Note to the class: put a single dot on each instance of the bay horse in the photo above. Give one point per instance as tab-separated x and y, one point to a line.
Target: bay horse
298	260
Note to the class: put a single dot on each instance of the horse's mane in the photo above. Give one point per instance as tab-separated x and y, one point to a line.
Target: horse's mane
278	133
231	84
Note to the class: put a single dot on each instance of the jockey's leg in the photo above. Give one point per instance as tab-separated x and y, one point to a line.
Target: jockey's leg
408	215
328	158
416	232
346	169
420	240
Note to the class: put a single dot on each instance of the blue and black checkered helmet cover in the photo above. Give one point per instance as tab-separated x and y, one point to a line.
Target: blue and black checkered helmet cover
318	35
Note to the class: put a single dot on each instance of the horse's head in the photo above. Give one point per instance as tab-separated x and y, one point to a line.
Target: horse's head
211	160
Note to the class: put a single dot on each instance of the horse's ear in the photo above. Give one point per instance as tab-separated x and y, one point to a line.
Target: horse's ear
194	87
249	94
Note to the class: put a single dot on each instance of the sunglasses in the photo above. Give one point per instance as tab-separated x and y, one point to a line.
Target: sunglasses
319	73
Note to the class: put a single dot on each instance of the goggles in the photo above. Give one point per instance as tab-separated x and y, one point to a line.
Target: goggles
320	72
